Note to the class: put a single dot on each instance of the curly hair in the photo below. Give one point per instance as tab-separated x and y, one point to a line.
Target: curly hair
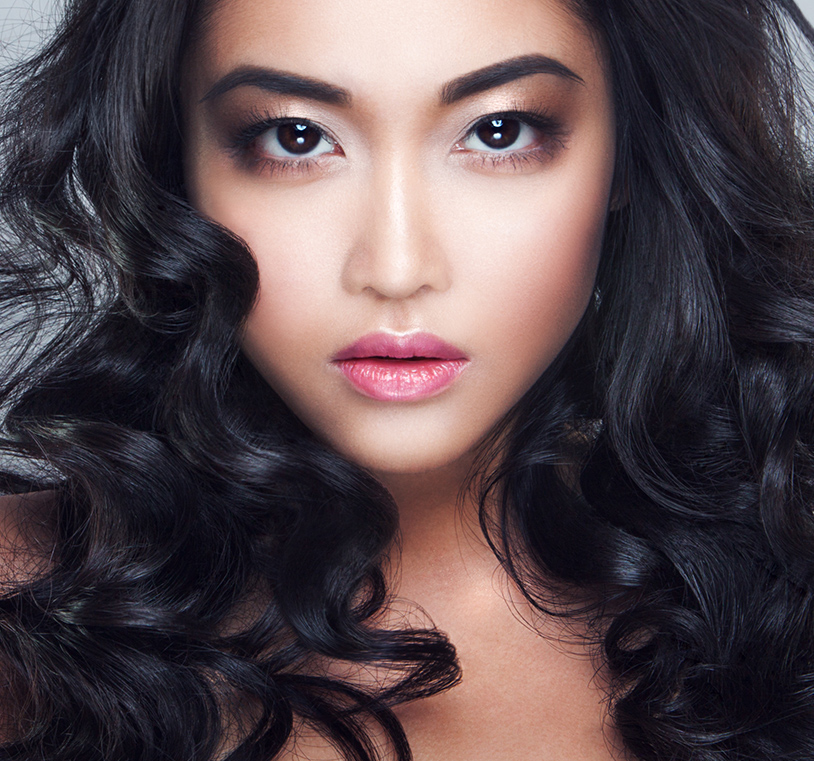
183	492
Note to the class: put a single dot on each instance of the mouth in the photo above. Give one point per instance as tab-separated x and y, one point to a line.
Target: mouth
387	367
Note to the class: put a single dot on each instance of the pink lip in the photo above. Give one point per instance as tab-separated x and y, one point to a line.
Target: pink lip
401	368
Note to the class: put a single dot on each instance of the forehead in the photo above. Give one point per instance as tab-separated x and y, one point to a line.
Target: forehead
407	46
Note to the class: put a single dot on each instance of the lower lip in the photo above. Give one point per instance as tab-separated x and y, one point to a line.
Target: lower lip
401	380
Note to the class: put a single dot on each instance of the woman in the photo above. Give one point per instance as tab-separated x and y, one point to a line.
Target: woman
391	378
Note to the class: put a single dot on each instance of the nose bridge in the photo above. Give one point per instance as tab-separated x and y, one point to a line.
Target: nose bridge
397	253
394	215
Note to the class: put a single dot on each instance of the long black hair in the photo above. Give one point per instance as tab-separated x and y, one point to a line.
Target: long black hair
203	553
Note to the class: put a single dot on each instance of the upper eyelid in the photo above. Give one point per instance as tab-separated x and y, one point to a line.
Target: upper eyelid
273	122
529	118
524	115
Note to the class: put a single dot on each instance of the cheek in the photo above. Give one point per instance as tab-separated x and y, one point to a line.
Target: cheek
297	238
555	277
289	324
529	259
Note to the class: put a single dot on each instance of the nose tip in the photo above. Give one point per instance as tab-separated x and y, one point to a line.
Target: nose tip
396	253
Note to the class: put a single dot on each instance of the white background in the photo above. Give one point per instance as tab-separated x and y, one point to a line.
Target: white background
22	23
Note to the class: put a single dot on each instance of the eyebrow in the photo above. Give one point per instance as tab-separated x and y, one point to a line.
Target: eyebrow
503	72
487	78
280	82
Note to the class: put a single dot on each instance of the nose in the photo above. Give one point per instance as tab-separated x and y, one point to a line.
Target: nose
396	253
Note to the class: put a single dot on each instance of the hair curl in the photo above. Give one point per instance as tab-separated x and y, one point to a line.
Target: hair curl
185	492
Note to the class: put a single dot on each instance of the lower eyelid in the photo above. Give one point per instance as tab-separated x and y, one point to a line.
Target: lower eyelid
271	165
516	161
507	161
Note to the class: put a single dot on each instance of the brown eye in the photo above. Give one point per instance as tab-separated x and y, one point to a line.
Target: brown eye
294	139
498	133
501	134
298	138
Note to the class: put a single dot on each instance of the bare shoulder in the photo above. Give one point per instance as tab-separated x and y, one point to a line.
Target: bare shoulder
26	535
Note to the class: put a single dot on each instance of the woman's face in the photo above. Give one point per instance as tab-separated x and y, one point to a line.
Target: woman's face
424	186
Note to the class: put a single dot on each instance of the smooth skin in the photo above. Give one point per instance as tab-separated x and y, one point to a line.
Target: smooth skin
423	195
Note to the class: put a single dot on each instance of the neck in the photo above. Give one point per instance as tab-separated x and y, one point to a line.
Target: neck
440	538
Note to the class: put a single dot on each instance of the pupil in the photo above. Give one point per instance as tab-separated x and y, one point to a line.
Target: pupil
297	138
499	133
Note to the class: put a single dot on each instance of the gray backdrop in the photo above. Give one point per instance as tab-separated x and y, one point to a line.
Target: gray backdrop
23	22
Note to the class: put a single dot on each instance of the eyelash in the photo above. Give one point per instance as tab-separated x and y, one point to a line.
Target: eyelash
258	123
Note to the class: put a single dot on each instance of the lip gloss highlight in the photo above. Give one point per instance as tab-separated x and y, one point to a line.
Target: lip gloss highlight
400	368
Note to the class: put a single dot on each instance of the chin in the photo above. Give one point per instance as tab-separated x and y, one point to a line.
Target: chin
405	458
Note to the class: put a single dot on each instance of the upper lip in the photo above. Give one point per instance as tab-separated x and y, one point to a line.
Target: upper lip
392	346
